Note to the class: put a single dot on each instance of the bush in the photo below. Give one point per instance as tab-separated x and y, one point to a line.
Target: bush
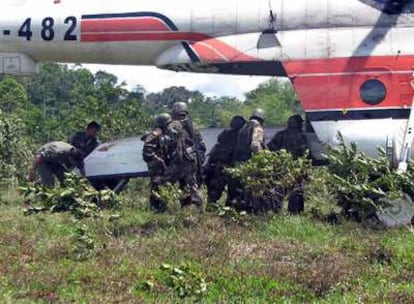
77	196
15	153
268	177
360	183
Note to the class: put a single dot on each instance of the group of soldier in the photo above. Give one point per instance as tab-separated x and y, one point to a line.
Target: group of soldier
55	158
175	153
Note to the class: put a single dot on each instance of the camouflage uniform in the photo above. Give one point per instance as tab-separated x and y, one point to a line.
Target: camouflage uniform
157	156
250	140
220	157
293	140
187	157
54	159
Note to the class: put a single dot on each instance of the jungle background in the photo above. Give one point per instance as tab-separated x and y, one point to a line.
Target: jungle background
131	255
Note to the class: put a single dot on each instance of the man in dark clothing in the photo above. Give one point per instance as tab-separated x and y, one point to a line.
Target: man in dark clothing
188	154
220	157
86	141
53	160
293	140
157	156
250	140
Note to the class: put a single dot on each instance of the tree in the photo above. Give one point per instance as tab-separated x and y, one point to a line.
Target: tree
13	96
163	101
277	98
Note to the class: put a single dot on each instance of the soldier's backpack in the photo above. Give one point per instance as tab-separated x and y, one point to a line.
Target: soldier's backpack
223	150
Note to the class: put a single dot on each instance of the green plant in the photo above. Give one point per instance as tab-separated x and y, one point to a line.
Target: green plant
230	215
14	152
184	280
84	242
77	196
169	194
360	182
268	176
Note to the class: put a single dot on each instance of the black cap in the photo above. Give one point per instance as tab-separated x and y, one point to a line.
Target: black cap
94	125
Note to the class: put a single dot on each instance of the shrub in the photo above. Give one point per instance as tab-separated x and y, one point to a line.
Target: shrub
77	196
14	150
361	183
268	176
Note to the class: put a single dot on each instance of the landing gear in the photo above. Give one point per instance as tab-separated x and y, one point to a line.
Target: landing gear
408	138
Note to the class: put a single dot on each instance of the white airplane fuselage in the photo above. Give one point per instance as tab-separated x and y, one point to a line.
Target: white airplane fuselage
351	62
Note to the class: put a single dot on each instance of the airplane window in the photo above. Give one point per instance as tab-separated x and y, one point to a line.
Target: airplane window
392	6
373	92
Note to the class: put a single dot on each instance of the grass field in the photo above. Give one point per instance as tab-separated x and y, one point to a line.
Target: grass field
153	258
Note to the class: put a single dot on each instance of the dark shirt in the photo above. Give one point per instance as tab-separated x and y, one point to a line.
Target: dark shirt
292	140
84	143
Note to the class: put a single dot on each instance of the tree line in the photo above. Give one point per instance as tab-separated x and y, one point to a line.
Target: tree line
61	99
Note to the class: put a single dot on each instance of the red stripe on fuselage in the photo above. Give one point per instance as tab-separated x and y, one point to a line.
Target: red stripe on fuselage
207	54
204	50
165	36
123	25
334	84
210	50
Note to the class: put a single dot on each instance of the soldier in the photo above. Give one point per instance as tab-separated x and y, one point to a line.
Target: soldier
157	156
53	160
251	138
188	154
220	157
293	140
86	141
249	141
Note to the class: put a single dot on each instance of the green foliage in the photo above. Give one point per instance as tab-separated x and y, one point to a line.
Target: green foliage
231	215
169	194
185	280
276	98
268	176
13	96
84	242
360	182
14	149
282	259
63	101
77	196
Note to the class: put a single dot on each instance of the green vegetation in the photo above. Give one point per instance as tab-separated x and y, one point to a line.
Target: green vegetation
90	255
361	184
183	255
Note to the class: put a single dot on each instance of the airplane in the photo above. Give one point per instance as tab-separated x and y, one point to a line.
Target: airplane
351	62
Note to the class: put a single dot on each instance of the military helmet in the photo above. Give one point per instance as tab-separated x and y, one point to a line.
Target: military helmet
162	120
295	121
258	114
179	107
